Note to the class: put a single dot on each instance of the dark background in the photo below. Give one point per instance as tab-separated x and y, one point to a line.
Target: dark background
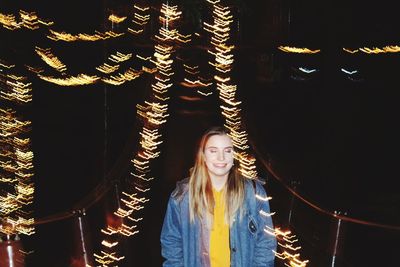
333	134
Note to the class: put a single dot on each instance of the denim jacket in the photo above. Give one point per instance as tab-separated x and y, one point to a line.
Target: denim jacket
186	244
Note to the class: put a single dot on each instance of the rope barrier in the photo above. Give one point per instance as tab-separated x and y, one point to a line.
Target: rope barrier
105	186
316	207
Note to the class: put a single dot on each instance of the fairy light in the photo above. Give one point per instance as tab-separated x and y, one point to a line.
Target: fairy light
16	157
121	78
196	83
141	18
154	113
80	79
298	50
116	19
374	50
193	80
119	57
107	69
28	20
45	23
351	51
50	59
223	60
377	50
16	88
288	246
307	70
68	37
230	109
9	21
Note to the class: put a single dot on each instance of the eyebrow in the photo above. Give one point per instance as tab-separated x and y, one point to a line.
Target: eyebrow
218	147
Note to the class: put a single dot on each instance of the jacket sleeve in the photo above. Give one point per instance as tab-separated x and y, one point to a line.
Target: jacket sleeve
171	236
266	243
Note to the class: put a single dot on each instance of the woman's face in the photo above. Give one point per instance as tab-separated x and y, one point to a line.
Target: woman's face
218	154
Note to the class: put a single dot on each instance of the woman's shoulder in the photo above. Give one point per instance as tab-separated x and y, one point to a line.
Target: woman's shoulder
181	189
254	182
256	185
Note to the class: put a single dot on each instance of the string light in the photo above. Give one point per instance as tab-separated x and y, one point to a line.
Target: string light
376	50
141	18
50	59
116	19
298	50
80	79
230	109
107	69
16	157
28	20
68	37
9	22
154	113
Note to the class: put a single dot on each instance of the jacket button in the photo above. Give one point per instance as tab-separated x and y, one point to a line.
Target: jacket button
233	249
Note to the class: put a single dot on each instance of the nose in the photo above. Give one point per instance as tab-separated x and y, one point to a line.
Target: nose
221	156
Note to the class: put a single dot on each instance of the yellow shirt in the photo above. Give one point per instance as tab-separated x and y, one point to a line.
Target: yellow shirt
219	235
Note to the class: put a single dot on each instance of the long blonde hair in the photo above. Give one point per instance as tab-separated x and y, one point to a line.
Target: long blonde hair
201	199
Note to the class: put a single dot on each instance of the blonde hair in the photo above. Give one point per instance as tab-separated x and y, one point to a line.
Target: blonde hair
201	200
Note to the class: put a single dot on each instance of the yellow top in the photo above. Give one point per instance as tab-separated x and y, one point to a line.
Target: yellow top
219	235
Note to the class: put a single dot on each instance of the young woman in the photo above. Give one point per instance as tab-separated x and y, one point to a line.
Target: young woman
216	217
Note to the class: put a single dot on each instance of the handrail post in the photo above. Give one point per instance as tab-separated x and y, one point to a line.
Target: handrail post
83	254
338	239
11	252
294	184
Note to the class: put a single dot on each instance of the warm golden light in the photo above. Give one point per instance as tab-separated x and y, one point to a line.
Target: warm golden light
80	79
50	59
68	37
16	157
289	49
116	19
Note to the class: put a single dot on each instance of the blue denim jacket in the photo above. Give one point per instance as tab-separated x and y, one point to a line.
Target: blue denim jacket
187	244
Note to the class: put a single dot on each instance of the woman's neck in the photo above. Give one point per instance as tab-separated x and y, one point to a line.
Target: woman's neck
218	182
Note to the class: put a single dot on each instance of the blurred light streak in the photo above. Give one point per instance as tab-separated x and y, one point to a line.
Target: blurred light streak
204	93
306	70
80	79
68	37
116	19
376	50
50	59
16	157
350	50
350	72
28	20
141	18
289	49
231	111
153	114
107	69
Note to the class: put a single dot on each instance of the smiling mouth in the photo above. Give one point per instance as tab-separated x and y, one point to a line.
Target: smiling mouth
220	165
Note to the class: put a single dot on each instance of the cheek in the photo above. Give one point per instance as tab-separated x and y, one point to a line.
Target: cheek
207	157
207	161
229	158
